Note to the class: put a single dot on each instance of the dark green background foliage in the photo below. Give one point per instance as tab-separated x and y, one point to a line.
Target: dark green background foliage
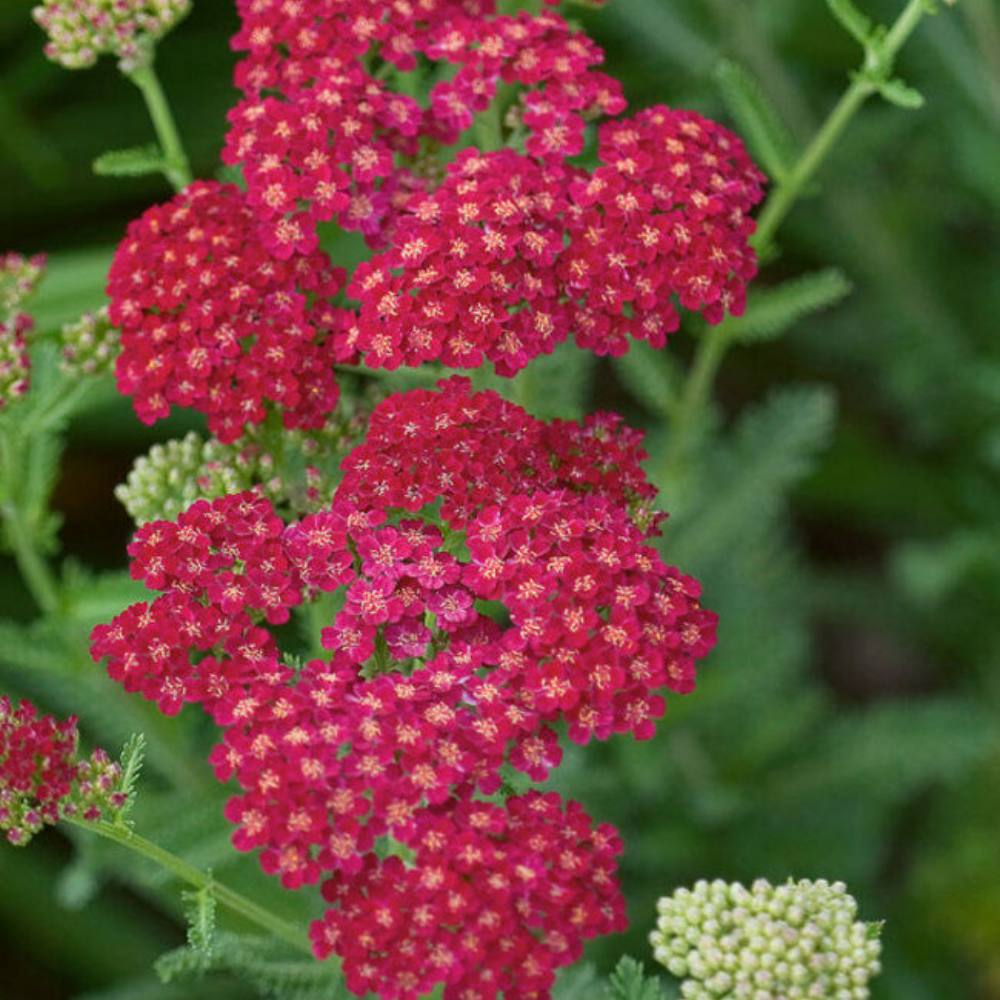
841	504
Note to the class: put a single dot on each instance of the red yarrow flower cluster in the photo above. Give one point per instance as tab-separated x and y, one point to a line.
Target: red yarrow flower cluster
210	319
507	257
665	218
456	503
42	777
319	137
496	900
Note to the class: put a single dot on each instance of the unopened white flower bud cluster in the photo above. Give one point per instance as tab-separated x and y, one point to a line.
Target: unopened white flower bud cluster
797	941
296	470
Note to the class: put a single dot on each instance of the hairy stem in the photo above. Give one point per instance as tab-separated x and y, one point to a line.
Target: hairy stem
35	571
230	898
176	168
714	344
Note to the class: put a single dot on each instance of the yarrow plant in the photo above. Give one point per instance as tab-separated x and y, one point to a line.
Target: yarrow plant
397	604
426	699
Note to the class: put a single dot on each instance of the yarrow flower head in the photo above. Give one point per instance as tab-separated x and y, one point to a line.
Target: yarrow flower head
321	133
42	777
80	31
508	256
90	345
797	941
19	277
210	319
497	899
493	575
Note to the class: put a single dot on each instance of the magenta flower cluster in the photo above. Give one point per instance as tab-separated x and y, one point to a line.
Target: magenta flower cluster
228	304
457	502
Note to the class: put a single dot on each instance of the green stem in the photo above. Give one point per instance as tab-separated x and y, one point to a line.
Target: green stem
230	898
714	344
34	569
879	58
176	168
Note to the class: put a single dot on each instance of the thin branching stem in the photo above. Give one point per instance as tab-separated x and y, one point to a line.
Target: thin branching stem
715	343
34	569
175	162
122	834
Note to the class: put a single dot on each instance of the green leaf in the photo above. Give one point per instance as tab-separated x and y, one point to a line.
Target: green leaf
135	162
629	982
262	963
765	132
896	92
201	921
553	386
852	20
746	479
132	758
649	377
772	311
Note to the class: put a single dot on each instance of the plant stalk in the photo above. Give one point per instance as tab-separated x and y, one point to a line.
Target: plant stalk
230	898
34	570
176	168
714	344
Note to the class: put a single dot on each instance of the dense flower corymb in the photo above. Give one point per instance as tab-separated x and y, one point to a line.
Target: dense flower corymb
507	256
80	31
497	898
798	941
326	129
210	319
41	776
490	575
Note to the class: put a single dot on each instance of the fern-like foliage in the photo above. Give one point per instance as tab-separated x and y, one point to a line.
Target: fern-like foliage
747	477
758	120
772	311
630	982
132	758
261	963
650	376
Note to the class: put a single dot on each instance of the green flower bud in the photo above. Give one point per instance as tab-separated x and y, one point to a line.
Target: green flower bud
90	345
796	941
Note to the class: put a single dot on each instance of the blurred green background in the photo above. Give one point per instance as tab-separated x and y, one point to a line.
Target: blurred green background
841	506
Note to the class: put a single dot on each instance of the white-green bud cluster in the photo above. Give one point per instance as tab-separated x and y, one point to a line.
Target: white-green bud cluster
81	31
296	470
797	941
171	476
90	345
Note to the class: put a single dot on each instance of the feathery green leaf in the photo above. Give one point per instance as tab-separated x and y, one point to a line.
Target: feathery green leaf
772	311
759	121
852	20
649	377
